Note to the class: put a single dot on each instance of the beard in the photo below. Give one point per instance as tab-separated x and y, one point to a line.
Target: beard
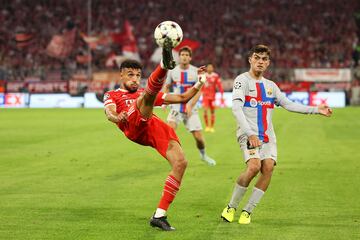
131	88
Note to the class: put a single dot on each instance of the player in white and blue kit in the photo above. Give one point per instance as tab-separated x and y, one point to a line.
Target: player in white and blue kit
254	98
181	78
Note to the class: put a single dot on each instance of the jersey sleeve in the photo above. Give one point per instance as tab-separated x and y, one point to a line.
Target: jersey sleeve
283	101
239	89
108	99
160	99
168	80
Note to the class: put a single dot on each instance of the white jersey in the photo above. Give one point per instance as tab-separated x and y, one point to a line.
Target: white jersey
181	80
258	98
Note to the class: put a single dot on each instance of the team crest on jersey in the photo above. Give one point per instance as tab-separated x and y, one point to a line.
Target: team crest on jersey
269	91
106	97
253	102
237	85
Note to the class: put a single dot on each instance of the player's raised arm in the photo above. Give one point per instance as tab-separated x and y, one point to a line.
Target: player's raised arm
291	106
189	94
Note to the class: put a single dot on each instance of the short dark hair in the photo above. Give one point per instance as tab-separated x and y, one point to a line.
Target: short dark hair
260	48
186	49
129	63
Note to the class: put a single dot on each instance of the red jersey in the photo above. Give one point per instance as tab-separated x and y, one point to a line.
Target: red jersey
123	99
152	131
213	81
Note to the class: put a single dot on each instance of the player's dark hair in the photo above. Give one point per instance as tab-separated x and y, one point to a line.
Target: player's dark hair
186	49
129	63
260	49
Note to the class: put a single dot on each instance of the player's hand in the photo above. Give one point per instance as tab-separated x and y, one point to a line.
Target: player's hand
123	117
201	70
163	107
254	141
325	110
188	110
222	102
201	74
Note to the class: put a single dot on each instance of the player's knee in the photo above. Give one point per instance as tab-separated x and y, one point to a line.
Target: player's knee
267	169
254	168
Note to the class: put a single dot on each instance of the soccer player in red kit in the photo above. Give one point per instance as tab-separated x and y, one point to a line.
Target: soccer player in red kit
131	109
212	83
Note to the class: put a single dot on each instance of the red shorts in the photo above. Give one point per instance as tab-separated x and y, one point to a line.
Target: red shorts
151	132
208	103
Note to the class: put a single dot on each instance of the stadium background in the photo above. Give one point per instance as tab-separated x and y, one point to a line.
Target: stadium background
75	46
57	177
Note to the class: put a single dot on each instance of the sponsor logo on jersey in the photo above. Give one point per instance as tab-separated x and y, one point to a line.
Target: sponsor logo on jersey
254	103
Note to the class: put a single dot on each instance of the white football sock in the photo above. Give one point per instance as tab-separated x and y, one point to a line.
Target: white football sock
238	194
160	213
254	199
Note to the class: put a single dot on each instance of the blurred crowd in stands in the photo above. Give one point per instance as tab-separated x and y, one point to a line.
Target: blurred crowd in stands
301	34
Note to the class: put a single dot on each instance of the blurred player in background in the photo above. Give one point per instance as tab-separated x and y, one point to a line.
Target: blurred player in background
254	98
131	109
181	78
213	82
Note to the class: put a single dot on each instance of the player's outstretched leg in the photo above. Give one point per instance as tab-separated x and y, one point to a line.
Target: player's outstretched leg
168	59
156	81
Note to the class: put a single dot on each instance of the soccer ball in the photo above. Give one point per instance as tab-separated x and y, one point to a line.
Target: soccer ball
168	29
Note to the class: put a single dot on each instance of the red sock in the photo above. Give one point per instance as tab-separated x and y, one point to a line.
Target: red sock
206	119
212	119
155	81
170	189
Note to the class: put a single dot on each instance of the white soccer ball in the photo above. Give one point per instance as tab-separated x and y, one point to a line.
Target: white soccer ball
168	29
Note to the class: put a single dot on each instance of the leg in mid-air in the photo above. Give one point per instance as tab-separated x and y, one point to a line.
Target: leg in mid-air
145	103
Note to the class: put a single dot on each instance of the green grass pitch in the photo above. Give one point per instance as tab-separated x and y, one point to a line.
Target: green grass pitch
70	174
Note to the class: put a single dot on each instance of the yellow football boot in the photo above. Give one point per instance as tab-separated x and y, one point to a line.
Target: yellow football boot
244	218
228	214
